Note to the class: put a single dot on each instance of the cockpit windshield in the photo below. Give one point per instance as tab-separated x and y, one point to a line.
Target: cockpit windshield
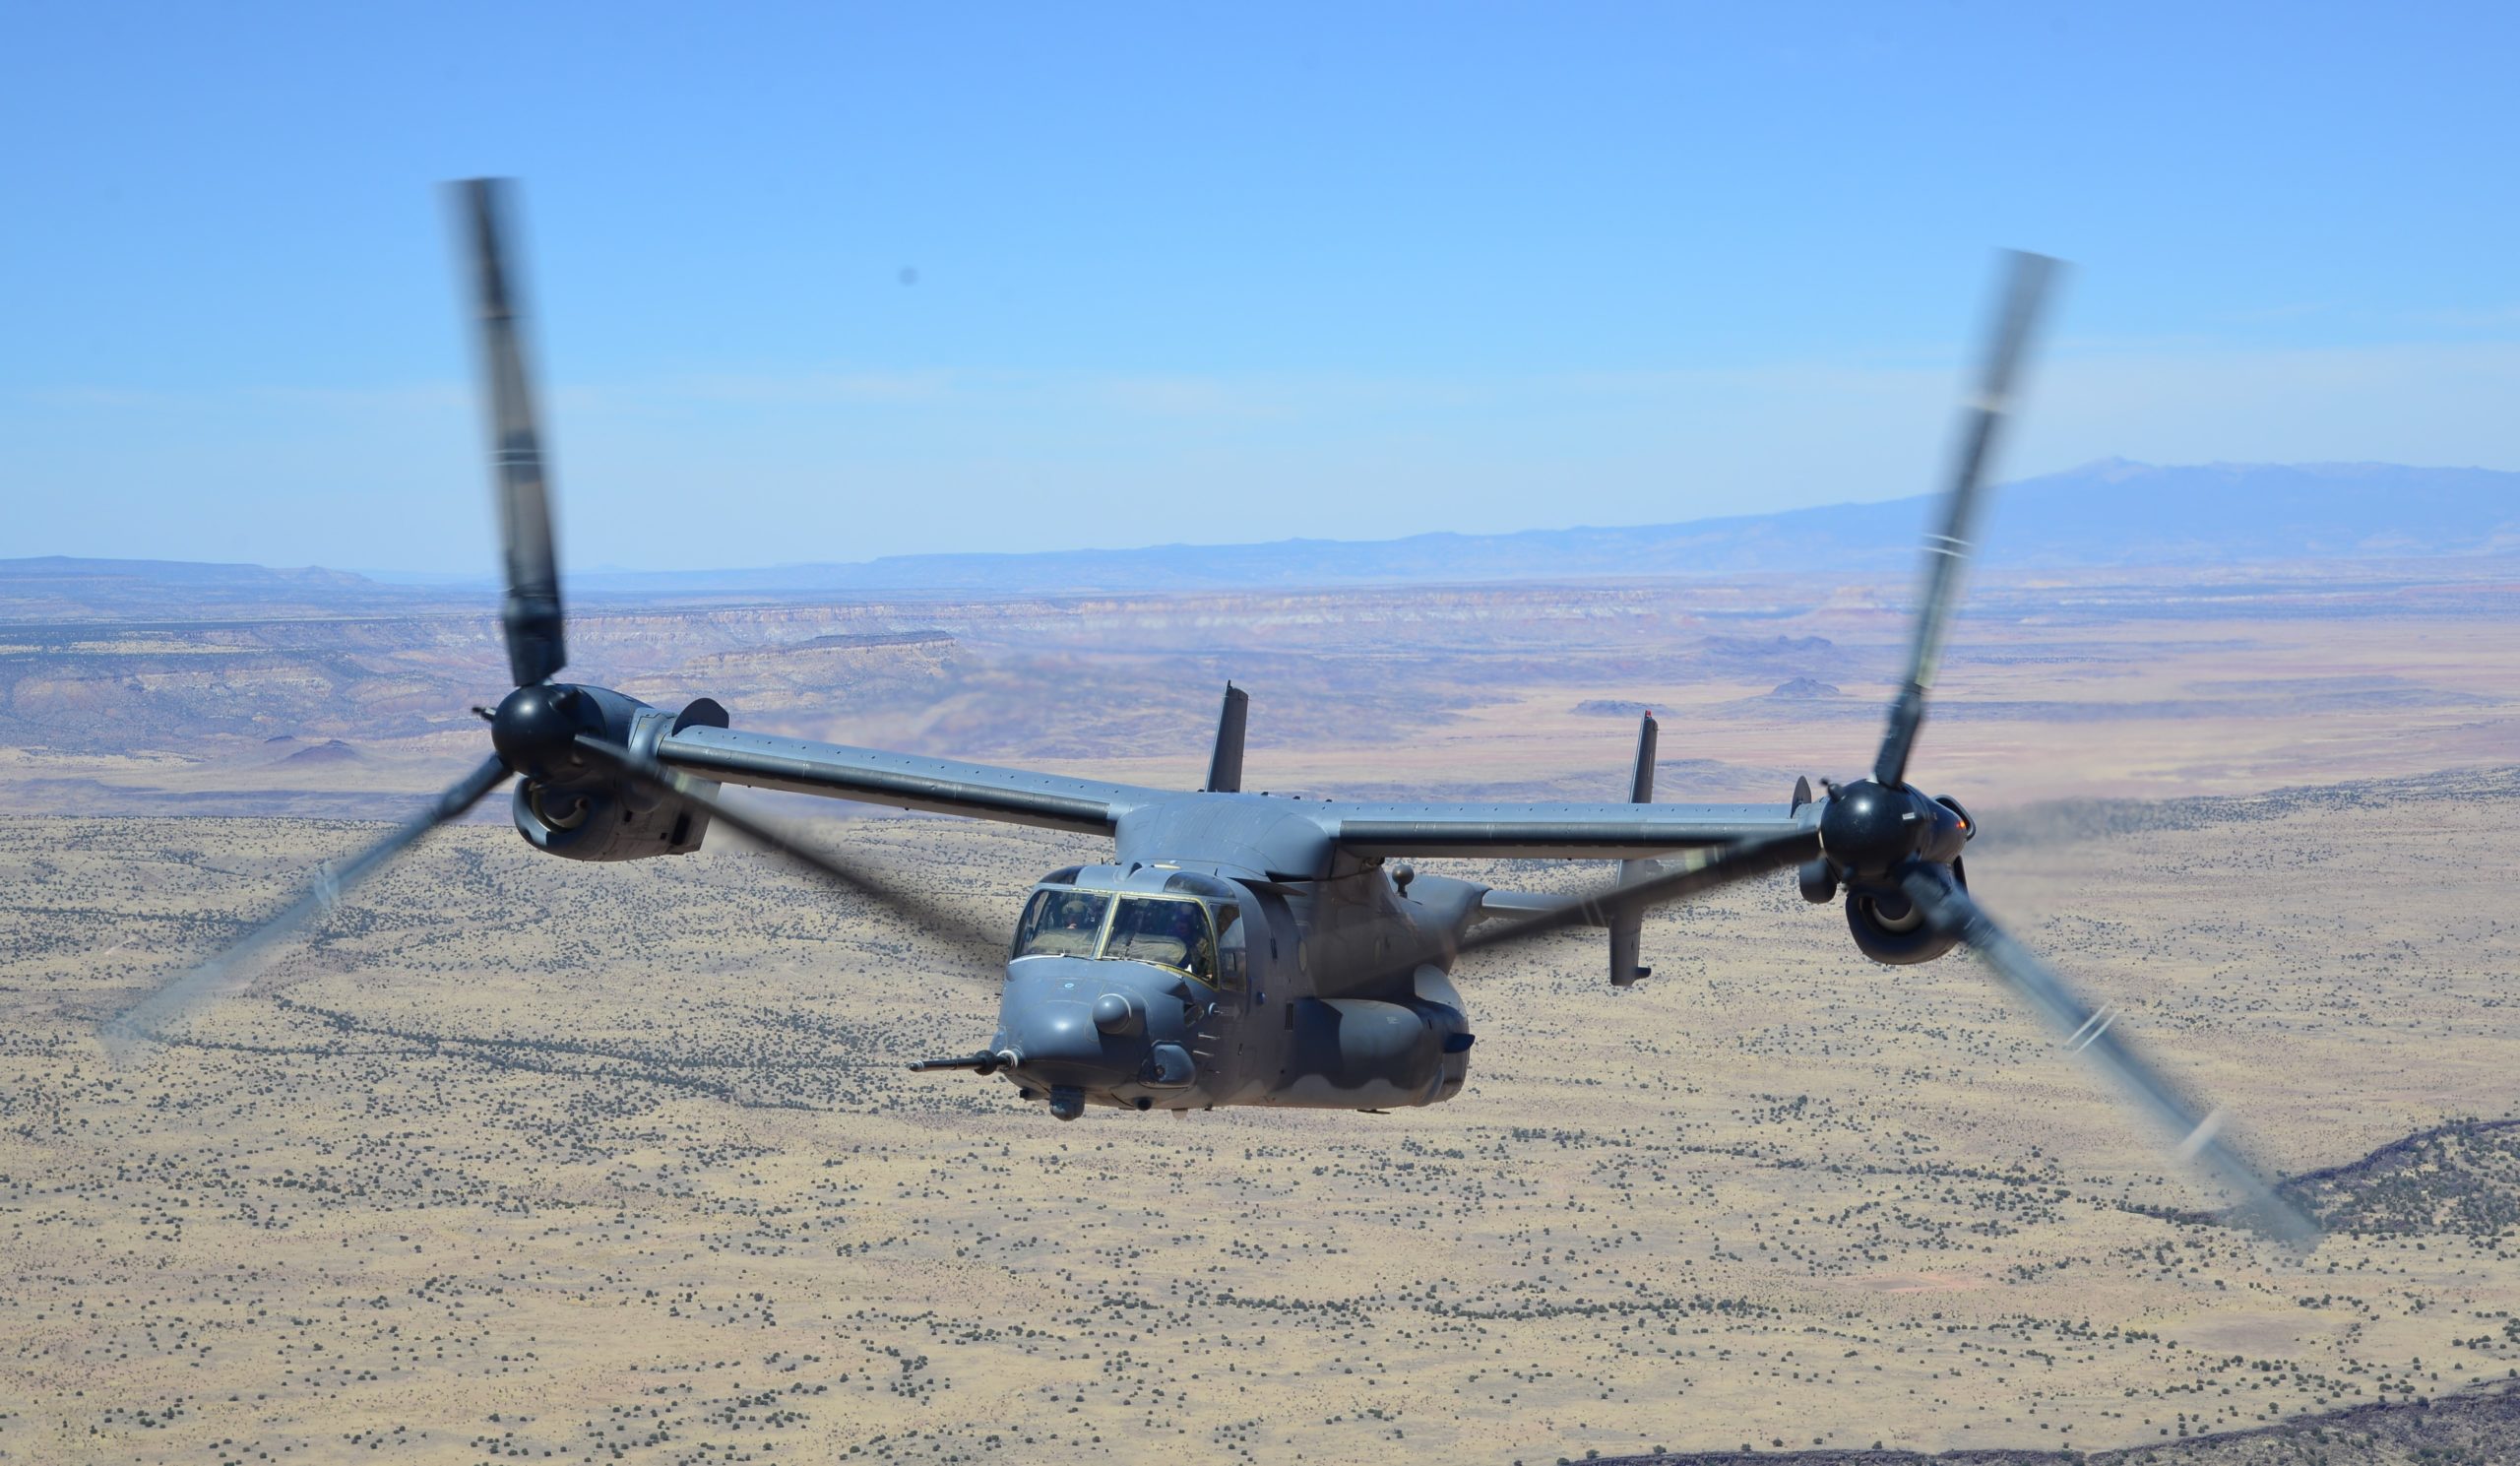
1173	932
1061	924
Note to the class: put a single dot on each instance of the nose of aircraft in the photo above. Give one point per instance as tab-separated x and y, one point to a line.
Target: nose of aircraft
1047	1018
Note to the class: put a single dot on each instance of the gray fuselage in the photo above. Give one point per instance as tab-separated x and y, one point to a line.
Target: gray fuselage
1298	993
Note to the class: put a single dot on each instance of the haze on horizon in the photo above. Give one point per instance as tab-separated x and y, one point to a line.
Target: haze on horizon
818	285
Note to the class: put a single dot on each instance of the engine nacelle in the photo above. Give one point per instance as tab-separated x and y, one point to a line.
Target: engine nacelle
1889	928
563	805
1868	835
605	822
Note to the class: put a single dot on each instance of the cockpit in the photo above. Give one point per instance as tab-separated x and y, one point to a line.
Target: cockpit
1196	934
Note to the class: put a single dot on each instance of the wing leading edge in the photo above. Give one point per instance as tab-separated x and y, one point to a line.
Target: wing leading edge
904	780
1555	832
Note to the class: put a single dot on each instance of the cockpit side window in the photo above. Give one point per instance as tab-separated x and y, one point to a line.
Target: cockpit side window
1061	924
1232	957
1171	932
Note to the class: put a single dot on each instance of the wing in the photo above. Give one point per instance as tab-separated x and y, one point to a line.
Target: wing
1093	806
1564	832
905	781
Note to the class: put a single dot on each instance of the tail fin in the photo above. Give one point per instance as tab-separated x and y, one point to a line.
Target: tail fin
1225	765
1628	933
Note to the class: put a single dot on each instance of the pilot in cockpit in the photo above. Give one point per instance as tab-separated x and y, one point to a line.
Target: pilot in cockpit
1078	915
1165	930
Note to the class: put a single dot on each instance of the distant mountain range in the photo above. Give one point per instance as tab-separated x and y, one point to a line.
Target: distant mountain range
2108	513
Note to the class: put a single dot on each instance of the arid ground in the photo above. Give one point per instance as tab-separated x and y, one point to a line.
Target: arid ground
516	1158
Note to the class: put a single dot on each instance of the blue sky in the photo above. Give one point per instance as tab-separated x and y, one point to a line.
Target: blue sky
1214	272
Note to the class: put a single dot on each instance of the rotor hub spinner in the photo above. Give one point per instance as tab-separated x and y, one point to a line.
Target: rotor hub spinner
1868	828
535	729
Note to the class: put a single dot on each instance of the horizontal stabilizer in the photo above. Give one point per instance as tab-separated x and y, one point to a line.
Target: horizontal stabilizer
1519	904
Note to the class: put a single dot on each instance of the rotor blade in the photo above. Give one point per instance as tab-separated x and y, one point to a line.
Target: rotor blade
175	1003
2091	1032
984	948
1947	550
537	644
1725	865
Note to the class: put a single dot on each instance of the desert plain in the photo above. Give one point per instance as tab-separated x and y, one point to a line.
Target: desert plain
513	1158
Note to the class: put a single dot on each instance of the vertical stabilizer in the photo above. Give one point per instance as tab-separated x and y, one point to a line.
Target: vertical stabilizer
1628	933
1225	765
1640	784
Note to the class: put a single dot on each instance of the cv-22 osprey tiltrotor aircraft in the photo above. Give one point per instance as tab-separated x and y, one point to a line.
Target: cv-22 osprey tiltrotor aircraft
1237	948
